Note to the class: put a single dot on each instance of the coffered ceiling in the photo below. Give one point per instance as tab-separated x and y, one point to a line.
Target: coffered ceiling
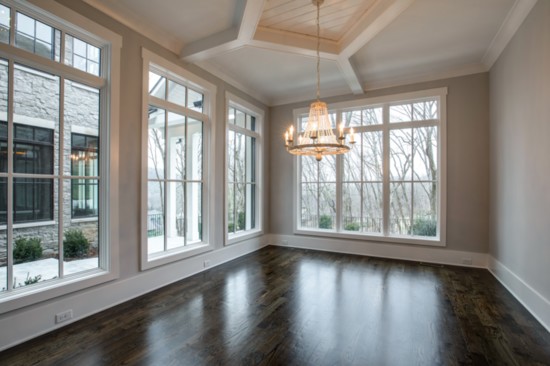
267	47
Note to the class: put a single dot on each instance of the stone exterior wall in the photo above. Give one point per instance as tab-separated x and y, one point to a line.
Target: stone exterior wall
36	102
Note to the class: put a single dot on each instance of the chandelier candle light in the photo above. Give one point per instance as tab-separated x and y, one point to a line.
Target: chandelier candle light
318	139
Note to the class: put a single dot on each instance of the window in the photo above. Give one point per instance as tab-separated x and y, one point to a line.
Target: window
33	154
390	185
37	37
51	119
84	162
82	55
243	161
176	128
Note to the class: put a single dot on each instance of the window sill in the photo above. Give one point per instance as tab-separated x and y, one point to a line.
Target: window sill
239	237
436	241
30	224
46	290
173	255
84	219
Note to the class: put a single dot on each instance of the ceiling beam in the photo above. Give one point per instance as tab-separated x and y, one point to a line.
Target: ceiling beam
247	17
350	74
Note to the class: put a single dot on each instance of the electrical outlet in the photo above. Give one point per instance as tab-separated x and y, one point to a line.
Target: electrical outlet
284	242
467	261
64	316
206	263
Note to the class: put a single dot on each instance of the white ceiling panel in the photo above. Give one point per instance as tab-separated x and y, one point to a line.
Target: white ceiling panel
432	35
187	20
278	76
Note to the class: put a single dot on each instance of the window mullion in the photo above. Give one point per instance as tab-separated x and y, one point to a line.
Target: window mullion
9	210
236	184
185	183
60	171
165	182
339	161
411	219
386	170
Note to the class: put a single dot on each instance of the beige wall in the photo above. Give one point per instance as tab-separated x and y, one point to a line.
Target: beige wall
467	160
520	153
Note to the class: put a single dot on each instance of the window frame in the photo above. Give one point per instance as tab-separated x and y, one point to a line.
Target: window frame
440	239
182	76
233	101
68	21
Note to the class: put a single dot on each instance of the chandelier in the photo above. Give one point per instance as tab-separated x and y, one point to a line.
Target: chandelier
318	139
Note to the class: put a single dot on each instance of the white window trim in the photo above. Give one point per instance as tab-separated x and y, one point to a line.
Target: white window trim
231	100
57	15
440	240
178	73
84	130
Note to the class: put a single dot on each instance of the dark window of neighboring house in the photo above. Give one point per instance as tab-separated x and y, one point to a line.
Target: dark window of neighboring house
33	154
84	163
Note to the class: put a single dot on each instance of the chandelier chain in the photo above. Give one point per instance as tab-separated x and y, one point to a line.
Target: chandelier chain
318	53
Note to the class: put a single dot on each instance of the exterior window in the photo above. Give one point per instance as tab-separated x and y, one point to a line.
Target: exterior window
82	55
84	162
37	37
389	184
50	157
33	154
176	146
242	198
4	24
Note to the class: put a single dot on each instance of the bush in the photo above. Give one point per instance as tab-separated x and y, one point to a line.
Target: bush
424	227
325	222
352	226
75	244
27	250
241	223
31	280
230	227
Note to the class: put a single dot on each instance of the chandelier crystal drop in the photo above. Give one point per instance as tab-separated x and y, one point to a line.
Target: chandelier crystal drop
318	139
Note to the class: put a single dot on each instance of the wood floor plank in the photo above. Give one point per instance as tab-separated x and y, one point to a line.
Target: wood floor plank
285	306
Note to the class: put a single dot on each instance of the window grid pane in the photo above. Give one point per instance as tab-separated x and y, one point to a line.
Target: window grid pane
175	148
412	181
241	172
50	239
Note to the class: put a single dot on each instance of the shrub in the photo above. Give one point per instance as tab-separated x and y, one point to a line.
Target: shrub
230	227
75	244
424	227
31	280
325	222
27	250
352	226
241	223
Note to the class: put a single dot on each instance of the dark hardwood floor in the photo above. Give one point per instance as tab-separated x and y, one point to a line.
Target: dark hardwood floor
282	306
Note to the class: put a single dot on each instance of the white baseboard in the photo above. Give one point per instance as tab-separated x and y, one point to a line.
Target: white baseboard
33	321
384	250
531	299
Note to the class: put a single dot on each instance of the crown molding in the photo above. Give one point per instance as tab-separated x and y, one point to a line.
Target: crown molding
471	69
516	16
